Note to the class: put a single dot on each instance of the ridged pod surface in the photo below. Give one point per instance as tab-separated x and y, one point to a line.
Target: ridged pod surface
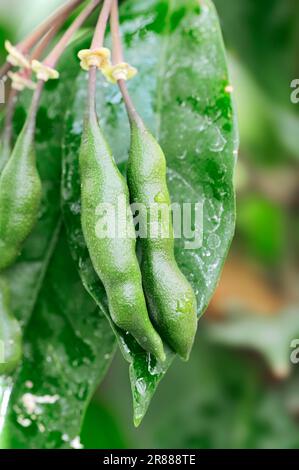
171	299
20	197
113	258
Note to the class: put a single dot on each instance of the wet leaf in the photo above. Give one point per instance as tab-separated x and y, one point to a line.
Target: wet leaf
67	342
220	399
68	346
183	94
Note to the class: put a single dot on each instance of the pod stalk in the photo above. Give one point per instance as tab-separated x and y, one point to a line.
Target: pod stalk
10	109
97	43
58	50
98	38
31	118
47	38
118	57
43	28
33	38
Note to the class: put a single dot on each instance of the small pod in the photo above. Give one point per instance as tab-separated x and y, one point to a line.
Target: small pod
10	334
20	197
113	256
6	134
170	297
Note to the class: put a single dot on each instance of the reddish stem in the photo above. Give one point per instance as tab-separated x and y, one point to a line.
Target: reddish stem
117	52
117	58
58	50
97	42
43	44
11	104
99	35
45	41
25	45
131	110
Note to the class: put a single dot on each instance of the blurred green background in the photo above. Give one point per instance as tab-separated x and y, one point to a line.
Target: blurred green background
239	389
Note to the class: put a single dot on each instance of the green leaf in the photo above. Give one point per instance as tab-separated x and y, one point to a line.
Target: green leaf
101	429
182	94
220	399
67	342
262	43
270	336
68	346
256	215
268	131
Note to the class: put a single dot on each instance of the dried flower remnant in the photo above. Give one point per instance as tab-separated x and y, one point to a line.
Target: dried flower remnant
99	58
19	81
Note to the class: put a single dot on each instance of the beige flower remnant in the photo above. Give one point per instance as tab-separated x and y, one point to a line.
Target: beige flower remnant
15	57
19	82
229	89
121	71
99	58
43	72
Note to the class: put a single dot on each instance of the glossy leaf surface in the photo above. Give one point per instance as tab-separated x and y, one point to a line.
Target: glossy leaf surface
183	93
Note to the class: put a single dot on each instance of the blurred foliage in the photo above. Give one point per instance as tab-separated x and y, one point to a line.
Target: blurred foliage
264	35
4	33
270	337
264	244
268	131
219	399
101	429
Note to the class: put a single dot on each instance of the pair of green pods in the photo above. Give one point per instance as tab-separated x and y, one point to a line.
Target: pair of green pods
152	300
157	286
